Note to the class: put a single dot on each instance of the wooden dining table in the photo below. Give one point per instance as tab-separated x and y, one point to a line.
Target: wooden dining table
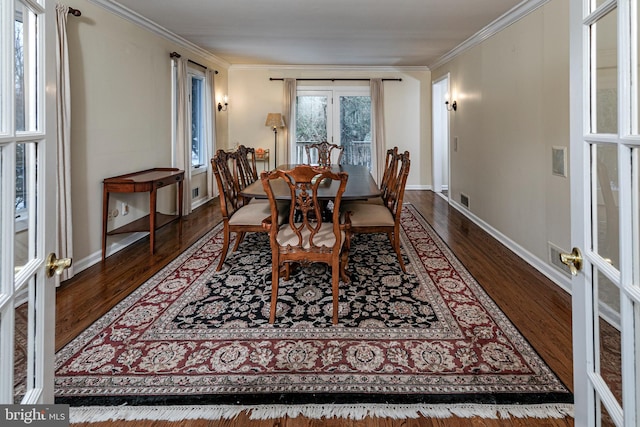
360	185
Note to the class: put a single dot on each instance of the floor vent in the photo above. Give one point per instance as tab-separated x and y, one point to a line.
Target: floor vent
554	259
464	199
195	192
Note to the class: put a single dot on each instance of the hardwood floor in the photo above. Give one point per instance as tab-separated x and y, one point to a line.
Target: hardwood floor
536	306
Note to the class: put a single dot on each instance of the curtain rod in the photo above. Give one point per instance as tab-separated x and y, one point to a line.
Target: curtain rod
335	80
74	12
177	55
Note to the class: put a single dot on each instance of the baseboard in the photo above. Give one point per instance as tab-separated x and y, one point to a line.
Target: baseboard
549	271
96	257
418	187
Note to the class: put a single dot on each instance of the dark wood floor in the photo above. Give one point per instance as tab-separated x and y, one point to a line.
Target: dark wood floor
537	307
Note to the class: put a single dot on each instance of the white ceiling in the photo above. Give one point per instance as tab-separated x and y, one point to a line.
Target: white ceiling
324	32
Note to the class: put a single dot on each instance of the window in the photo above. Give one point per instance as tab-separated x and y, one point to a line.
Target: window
338	115
196	107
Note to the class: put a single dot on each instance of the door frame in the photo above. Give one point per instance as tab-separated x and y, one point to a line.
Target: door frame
441	89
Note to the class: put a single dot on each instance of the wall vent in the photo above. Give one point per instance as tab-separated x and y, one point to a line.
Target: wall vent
195	192
464	199
554	259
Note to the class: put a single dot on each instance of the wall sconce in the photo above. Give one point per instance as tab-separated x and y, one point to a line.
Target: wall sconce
226	103
454	106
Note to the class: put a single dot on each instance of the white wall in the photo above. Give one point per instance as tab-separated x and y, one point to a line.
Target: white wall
121	116
407	108
512	92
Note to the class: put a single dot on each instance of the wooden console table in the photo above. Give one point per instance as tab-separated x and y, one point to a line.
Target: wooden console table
143	181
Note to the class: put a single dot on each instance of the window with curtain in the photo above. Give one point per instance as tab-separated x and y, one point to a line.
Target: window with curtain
337	115
197	115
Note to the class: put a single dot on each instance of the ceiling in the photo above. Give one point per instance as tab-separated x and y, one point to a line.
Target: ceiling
327	32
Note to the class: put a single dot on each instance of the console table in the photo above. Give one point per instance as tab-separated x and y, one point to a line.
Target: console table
143	181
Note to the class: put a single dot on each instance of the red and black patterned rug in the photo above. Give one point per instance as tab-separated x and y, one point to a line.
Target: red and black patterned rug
191	336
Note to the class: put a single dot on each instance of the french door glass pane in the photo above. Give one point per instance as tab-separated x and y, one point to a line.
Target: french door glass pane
311	122
26	96
21	360
355	130
604	419
605	63
606	200
24	246
607	339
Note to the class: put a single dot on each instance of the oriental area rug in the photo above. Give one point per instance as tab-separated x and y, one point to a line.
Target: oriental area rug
429	342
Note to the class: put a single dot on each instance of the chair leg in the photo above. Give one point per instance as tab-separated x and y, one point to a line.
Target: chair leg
344	260
395	242
225	246
275	278
239	238
335	279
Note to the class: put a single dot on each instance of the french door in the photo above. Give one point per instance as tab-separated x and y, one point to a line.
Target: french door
28	205
339	116
605	200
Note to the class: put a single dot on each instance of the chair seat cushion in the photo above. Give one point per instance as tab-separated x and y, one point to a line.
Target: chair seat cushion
324	237
369	215
255	212
373	201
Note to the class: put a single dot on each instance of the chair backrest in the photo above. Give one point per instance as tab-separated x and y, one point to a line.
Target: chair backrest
397	184
390	170
323	150
223	163
305	213
245	171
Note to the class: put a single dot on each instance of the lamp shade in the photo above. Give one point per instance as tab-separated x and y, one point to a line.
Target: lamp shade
274	120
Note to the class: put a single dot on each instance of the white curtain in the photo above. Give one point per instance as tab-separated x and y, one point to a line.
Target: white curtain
63	109
289	115
183	134
378	144
210	129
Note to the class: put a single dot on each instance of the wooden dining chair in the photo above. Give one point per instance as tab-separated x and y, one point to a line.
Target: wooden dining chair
245	171
305	238
323	150
238	215
385	217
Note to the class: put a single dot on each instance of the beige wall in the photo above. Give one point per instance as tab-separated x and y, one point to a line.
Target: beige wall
407	108
121	116
513	107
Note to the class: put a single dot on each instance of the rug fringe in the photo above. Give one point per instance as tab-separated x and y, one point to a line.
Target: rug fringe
353	411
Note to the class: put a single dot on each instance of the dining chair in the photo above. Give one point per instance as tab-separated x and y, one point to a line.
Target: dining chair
324	150
385	217
238	215
306	238
245	171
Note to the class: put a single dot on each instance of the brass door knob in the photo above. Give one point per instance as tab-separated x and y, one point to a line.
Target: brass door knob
55	265
573	260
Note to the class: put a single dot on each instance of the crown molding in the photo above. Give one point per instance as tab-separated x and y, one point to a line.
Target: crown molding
139	20
518	12
367	68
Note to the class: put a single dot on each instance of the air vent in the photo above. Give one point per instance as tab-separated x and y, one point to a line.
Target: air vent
195	192
464	199
554	259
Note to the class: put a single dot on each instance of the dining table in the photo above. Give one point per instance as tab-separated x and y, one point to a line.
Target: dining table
360	185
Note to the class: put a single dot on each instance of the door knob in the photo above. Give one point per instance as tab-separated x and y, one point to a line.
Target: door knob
55	265
573	260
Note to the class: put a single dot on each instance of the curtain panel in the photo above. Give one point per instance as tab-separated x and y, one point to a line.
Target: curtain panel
63	117
378	148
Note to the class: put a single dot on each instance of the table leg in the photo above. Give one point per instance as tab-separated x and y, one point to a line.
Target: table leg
105	218
180	194
152	219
